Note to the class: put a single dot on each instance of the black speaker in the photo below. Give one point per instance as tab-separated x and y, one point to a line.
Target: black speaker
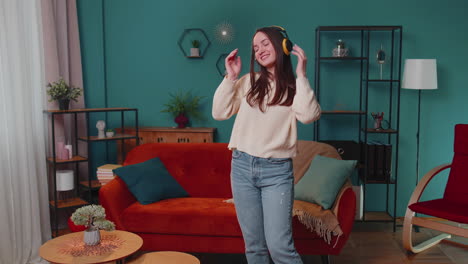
348	149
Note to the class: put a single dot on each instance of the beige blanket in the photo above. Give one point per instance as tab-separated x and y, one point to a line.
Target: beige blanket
314	217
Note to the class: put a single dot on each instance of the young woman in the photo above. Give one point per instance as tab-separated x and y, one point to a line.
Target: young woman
268	105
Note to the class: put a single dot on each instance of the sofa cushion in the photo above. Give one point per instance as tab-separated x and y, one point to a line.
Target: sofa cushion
191	216
202	169
323	180
150	182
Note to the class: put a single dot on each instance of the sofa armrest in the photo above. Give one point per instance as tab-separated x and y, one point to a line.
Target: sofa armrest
115	197
345	211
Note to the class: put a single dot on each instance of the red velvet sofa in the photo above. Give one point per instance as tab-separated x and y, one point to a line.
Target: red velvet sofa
202	222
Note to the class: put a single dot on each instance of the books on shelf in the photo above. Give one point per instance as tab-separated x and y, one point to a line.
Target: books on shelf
379	161
104	173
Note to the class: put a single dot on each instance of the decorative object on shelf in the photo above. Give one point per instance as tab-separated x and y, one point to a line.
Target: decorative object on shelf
110	132
220	66
64	180
381	59
60	151
419	74
181	106
378	117
101	125
93	217
60	91
340	50
69	150
224	33
200	33
195	50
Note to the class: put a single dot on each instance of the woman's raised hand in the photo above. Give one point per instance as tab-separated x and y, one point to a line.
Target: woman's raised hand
301	61
233	65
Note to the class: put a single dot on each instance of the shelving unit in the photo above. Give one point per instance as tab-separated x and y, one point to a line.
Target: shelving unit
363	63
74	198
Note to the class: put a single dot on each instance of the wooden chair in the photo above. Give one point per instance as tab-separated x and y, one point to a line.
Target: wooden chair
454	204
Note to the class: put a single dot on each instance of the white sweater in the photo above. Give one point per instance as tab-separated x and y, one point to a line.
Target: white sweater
269	134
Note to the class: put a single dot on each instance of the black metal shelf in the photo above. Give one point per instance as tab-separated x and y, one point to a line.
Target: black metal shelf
358	28
115	137
73	198
342	58
343	112
391	36
384	81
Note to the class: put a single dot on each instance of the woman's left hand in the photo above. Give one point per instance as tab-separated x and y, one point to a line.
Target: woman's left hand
301	61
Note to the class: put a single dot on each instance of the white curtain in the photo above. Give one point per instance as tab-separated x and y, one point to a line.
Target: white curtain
24	212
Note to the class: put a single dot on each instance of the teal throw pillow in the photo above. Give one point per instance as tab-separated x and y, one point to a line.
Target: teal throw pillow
150	181
323	180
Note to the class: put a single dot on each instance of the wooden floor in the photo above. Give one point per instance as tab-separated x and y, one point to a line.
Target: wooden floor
373	243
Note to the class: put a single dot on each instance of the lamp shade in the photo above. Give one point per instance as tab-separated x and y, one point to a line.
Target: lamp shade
420	74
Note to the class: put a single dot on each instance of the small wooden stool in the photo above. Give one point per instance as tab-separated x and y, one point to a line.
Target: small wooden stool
166	257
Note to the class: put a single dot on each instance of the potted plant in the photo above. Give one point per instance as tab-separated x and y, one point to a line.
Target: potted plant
60	91
110	132
195	50
93	217
181	106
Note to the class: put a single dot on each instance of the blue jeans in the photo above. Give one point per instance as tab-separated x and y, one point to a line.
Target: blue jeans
263	191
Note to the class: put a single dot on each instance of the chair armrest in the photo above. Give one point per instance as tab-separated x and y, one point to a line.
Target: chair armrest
425	181
115	198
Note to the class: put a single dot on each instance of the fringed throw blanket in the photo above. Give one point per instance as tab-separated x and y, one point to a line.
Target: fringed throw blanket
316	219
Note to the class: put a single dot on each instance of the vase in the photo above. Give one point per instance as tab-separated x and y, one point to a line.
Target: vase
64	104
194	52
92	236
181	121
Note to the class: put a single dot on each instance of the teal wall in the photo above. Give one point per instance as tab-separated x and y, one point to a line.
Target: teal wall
143	62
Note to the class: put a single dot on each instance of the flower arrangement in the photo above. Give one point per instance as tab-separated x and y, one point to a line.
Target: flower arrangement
60	90
93	217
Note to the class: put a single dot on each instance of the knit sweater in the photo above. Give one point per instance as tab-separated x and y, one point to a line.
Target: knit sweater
269	134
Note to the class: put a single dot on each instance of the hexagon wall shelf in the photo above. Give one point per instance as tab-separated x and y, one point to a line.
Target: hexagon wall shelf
205	46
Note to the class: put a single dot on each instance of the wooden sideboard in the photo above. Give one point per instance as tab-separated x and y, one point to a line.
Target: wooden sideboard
166	135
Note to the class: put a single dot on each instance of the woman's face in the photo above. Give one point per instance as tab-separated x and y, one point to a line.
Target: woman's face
265	53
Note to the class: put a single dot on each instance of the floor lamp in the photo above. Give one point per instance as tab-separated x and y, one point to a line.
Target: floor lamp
419	74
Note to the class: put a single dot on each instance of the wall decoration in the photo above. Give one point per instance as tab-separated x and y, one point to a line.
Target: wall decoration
220	65
198	40
224	33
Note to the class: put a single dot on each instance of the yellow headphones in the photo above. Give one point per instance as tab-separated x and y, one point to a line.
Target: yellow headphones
286	43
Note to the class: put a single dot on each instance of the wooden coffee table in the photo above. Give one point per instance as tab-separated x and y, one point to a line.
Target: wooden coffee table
166	257
70	248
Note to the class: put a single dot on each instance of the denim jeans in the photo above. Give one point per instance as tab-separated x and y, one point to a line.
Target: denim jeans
263	190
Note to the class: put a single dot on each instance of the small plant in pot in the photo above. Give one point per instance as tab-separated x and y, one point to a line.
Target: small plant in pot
195	50
60	91
93	217
110	132
182	106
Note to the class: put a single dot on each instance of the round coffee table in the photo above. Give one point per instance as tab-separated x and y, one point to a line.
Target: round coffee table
70	248
166	257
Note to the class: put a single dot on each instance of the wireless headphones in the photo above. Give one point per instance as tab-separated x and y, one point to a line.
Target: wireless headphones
286	43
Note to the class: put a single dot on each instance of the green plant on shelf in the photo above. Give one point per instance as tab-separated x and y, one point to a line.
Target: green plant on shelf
195	43
183	103
60	90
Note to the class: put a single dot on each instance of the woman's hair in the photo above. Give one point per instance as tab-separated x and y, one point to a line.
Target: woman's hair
284	76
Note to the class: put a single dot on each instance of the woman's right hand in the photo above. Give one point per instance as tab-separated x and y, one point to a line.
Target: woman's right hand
233	65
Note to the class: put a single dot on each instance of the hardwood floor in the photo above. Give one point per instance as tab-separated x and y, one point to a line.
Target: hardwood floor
373	243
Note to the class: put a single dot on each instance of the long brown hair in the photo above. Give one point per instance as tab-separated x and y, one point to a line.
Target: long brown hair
284	76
